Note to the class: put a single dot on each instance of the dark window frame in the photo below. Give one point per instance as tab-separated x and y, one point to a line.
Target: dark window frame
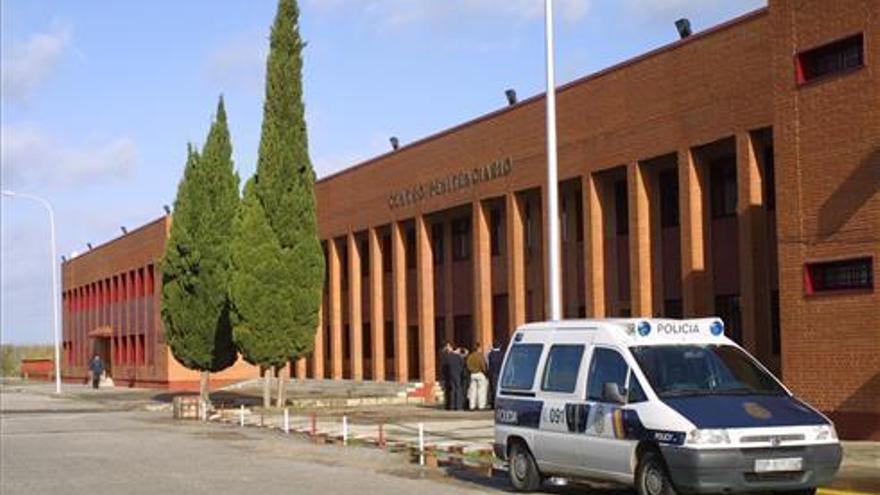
836	51
816	283
548	362
621	207
461	239
723	200
591	369
669	202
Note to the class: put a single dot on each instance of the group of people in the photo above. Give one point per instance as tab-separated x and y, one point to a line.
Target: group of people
472	374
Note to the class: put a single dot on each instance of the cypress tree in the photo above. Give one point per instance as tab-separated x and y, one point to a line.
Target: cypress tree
284	190
196	269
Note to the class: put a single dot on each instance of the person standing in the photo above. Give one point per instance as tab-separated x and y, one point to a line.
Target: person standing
496	357
444	374
476	365
97	369
456	377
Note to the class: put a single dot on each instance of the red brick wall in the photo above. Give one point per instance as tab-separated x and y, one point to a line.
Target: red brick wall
827	144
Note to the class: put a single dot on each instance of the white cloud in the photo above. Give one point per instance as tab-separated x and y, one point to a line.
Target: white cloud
30	157
29	63
406	12
240	61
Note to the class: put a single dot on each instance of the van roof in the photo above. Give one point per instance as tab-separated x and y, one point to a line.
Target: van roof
638	331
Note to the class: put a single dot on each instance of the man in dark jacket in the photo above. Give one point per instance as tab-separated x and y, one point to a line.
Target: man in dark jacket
456	372
97	369
495	358
445	376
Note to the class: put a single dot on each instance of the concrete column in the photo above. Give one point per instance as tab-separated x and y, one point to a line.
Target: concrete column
754	256
693	188
355	314
301	368
594	247
448	286
335	309
482	265
377	307
318	352
516	265
640	253
398	267
425	281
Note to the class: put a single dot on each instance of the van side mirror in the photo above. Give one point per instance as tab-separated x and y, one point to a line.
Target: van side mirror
612	393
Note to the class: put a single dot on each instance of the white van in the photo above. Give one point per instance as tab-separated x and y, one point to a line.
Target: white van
666	406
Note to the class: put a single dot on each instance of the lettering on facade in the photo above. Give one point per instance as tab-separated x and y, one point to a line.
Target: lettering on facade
451	183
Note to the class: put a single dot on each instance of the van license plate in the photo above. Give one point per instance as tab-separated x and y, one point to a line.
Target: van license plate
772	465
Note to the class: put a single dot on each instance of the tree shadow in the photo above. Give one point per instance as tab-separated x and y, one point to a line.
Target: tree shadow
856	190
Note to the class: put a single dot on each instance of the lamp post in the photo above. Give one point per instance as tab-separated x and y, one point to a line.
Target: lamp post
553	255
56	330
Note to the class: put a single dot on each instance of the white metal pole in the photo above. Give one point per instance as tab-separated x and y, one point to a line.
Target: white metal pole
421	444
241	416
553	254
56	293
345	430
286	421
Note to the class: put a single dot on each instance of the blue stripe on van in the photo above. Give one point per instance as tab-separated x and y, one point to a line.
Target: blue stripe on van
518	412
744	411
634	430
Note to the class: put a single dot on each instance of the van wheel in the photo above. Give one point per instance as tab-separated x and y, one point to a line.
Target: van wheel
652	478
523	470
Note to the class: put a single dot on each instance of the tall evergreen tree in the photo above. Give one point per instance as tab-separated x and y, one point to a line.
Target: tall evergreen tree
284	189
196	270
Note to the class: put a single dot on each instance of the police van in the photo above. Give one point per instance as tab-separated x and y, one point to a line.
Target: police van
666	406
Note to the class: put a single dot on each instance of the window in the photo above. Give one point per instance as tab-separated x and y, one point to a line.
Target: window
836	57
669	198
519	370
672	308
728	309
769	179
364	250
461	239
561	370
696	370
842	275
607	366
621	207
776	337
389	340
563	219
495	231
437	243
386	253
530	225
723	186
410	247
635	392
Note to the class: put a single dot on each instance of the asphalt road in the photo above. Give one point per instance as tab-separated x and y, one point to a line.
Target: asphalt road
51	445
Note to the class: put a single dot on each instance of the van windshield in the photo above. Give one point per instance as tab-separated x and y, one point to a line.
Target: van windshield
687	370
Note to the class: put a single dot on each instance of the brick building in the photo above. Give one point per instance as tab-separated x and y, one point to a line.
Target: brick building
734	172
110	307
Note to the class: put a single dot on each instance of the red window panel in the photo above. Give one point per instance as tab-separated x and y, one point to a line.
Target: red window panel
141	340
150	279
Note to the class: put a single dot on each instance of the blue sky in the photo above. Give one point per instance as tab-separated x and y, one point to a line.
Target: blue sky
99	98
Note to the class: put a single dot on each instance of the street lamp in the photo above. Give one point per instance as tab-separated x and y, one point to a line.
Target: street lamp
55	291
553	256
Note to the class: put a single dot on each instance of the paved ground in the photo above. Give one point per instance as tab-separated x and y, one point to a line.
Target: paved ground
102	441
50	445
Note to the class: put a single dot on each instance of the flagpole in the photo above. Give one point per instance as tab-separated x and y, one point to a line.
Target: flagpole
553	251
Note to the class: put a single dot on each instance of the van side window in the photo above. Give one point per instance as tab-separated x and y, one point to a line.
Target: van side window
606	366
519	370
635	393
561	370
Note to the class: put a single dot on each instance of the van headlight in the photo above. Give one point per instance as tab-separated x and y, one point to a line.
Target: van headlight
826	432
708	437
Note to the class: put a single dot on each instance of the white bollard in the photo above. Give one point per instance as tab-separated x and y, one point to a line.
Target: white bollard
241	416
345	430
421	444
286	421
